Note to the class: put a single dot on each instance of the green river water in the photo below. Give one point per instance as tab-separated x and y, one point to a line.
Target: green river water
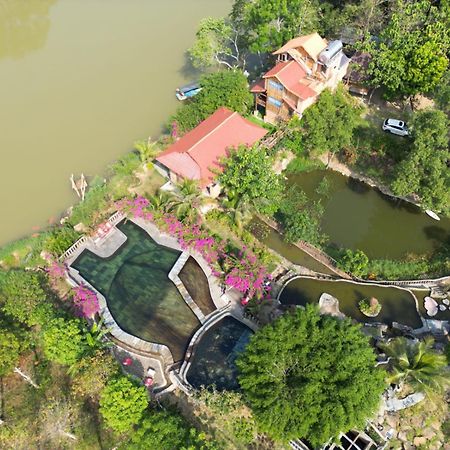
79	82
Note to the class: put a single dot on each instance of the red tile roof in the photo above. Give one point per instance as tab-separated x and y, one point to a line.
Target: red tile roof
258	86
289	74
197	153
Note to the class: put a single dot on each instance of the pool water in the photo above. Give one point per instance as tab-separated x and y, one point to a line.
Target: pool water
196	283
398	305
213	361
141	298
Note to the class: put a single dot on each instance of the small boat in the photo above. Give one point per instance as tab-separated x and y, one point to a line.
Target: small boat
188	91
432	214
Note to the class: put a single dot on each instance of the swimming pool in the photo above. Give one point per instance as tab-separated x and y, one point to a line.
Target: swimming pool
140	297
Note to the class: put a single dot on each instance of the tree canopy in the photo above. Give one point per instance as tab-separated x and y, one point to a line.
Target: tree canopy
424	171
310	376
9	351
268	24
216	42
410	56
329	124
122	404
248	176
22	296
63	341
226	88
301	217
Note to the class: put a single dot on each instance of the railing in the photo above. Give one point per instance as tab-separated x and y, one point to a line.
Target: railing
116	218
71	250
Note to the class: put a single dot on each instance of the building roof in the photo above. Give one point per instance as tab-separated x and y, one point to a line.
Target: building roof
312	43
289	74
196	155
258	86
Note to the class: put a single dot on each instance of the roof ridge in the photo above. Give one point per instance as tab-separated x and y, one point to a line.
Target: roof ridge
214	129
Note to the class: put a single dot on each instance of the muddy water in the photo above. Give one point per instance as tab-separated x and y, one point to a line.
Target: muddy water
79	82
359	217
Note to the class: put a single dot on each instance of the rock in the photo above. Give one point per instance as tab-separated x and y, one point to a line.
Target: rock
420	440
80	228
428	433
402	436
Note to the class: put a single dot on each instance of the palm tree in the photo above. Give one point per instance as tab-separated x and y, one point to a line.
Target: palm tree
239	209
416	364
190	200
162	201
146	148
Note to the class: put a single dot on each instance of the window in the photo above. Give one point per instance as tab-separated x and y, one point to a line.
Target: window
275	85
274	101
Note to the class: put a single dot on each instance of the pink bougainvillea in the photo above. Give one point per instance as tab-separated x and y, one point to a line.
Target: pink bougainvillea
85	301
136	207
57	270
241	270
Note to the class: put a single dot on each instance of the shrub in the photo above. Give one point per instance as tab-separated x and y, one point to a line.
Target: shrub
122	404
371	307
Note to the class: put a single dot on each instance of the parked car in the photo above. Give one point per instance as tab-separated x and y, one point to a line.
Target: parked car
395	126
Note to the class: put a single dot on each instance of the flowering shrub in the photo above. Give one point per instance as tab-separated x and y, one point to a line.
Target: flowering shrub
136	207
246	274
242	271
85	301
56	270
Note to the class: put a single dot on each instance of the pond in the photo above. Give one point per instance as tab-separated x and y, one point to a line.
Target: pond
398	305
360	217
140	296
213	360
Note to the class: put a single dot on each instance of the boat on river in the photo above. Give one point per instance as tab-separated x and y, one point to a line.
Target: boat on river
188	91
432	214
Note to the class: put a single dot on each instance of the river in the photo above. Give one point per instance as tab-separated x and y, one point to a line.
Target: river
79	82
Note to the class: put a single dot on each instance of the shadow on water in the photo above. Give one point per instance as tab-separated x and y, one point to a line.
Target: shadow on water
141	298
213	361
24	26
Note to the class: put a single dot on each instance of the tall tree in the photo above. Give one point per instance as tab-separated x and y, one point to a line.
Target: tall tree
22	296
63	341
216	43
424	171
227	88
329	124
310	376
410	56
416	363
9	351
269	24
248	176
122	404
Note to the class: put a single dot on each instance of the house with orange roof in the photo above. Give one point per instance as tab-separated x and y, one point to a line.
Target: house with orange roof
305	66
197	154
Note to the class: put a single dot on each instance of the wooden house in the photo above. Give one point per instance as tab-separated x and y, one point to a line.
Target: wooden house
305	67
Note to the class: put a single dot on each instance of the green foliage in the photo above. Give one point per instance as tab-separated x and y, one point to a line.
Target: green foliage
24	252
147	149
417	364
23	297
230	413
60	239
268	24
90	374
355	262
329	124
63	341
411	54
9	351
127	163
227	88
214	44
248	176
162	430
424	171
441	93
122	404
310	376
96	199
300	217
